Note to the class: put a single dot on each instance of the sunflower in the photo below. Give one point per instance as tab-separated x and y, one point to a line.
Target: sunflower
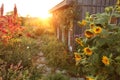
79	41
89	78
89	34
88	51
97	30
83	23
105	60
77	57
92	25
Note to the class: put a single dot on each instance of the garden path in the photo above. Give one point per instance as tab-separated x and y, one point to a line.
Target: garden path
41	63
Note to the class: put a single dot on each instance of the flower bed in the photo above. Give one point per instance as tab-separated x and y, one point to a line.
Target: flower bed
98	54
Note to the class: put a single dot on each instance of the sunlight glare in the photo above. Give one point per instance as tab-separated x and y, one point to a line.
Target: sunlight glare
34	8
44	15
42	9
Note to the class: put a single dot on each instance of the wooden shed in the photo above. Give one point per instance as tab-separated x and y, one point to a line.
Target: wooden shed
69	12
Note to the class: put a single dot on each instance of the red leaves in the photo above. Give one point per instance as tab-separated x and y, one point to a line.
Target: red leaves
10	27
4	31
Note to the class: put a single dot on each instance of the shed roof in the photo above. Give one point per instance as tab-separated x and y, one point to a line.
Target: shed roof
61	5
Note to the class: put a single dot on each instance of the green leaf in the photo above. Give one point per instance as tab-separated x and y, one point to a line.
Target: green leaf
102	18
94	59
116	15
110	56
100	42
104	33
118	69
117	58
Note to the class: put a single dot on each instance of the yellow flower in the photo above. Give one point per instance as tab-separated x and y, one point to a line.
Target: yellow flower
79	41
92	25
91	18
89	34
88	78
105	60
77	57
88	51
97	30
83	23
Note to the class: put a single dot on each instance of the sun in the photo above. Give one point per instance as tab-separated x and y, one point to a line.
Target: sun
44	15
41	10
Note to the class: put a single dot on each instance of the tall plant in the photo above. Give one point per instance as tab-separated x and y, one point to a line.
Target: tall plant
16	50
98	54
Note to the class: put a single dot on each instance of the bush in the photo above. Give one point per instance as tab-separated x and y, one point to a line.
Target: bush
57	76
38	31
16	59
19	49
54	51
57	56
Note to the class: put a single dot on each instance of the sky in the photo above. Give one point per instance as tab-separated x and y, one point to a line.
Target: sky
34	8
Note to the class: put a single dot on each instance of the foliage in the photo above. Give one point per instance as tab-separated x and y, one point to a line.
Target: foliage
16	57
38	31
98	54
37	26
57	76
57	56
66	16
54	51
17	50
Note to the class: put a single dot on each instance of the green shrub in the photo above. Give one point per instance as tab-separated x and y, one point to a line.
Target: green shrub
57	56
38	31
57	76
16	59
19	49
54	51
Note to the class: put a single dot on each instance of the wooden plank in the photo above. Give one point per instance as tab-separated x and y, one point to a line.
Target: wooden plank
103	3
99	2
98	9
84	11
89	9
113	2
94	2
80	1
94	10
85	2
107	2
89	2
102	9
